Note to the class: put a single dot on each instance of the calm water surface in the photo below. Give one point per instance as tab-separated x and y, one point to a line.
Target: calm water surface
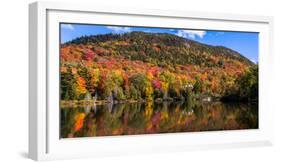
149	118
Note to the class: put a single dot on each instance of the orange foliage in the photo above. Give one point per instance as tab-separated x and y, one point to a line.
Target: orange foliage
99	64
79	120
73	70
63	69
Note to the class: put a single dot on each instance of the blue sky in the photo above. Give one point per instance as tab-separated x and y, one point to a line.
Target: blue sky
245	43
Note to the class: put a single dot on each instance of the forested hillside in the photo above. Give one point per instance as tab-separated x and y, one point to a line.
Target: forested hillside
153	66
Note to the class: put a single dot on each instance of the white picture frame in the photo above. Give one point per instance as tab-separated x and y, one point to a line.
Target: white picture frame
44	141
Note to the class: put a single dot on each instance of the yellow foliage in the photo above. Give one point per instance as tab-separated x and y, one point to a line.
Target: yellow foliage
165	85
148	110
164	115
148	91
81	85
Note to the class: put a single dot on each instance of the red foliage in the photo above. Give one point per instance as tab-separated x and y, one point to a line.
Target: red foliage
156	84
100	51
88	55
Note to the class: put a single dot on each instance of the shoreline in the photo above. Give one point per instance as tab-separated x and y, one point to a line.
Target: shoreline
83	103
69	103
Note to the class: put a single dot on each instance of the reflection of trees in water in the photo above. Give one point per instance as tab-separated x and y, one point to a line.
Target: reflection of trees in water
141	118
248	116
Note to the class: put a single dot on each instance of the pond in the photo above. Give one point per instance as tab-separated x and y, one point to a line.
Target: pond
151	118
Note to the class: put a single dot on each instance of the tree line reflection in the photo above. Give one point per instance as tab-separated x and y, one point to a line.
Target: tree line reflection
149	118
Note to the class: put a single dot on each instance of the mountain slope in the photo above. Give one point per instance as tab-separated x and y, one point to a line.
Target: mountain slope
140	65
161	49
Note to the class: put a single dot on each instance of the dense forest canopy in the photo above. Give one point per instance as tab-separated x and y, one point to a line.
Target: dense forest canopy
151	66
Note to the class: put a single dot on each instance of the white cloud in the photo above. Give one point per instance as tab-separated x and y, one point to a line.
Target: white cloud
67	26
191	33
254	61
119	29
